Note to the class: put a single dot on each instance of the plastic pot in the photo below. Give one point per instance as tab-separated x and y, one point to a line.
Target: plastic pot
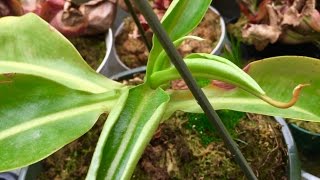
22	173
308	142
109	45
13	175
223	39
294	167
308	176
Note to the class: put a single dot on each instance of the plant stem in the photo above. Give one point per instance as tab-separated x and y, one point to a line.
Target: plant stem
176	59
136	20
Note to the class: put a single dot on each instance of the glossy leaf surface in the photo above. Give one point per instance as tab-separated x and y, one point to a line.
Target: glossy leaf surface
163	60
126	133
31	46
277	76
218	69
180	19
39	116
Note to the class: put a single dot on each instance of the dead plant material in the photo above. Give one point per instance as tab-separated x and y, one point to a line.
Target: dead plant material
289	22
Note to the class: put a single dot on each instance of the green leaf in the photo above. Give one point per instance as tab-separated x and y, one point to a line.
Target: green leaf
277	76
180	19
39	116
218	68
29	45
163	60
127	131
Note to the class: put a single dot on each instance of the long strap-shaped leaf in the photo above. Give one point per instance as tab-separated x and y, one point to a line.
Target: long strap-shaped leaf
277	76
219	69
180	19
38	117
29	45
127	131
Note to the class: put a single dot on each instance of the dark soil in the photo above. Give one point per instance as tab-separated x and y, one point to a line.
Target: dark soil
91	48
176	152
180	152
73	160
133	52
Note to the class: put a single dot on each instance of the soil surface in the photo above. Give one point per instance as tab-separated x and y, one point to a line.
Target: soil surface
73	160
185	149
133	52
91	48
176	152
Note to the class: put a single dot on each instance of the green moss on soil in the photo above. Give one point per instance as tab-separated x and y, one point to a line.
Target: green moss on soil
177	152
206	133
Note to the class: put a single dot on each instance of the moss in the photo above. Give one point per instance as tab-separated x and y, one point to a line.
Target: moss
73	160
91	48
207	134
176	152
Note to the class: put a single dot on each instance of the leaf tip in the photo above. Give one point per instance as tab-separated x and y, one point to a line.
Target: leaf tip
295	97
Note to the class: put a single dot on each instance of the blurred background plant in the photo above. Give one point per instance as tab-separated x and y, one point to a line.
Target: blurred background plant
268	21
71	18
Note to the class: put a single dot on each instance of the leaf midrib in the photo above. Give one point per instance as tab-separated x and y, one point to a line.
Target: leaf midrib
54	117
130	130
52	74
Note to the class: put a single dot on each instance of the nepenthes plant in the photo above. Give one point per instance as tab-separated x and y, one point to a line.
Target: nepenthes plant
269	21
54	97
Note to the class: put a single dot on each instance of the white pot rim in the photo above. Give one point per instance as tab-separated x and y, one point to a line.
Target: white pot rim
216	49
223	34
109	43
118	31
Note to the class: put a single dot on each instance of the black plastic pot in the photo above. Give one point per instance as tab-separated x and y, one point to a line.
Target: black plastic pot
229	9
308	142
294	167
128	74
